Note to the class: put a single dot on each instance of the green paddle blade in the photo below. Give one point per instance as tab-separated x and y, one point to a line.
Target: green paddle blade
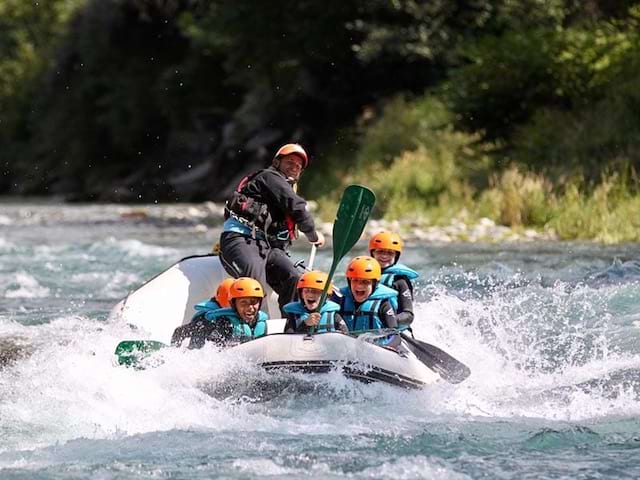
353	212
131	352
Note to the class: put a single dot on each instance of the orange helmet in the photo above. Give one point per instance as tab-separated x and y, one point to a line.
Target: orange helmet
364	268
293	149
314	279
222	293
386	241
245	287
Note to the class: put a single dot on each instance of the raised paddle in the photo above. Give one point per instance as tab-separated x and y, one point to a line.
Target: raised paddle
450	369
353	212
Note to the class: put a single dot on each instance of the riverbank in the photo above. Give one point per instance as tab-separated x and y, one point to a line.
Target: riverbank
202	217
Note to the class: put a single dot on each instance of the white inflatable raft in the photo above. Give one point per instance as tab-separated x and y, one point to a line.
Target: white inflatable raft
167	301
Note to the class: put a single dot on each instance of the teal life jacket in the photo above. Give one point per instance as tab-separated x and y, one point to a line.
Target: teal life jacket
241	329
366	317
327	315
391	274
205	306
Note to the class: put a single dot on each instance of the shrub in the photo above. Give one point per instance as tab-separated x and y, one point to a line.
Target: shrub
518	199
607	213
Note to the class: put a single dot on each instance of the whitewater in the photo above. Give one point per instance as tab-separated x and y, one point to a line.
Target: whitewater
551	332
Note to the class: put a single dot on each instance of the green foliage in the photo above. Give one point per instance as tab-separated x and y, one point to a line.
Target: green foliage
96	94
402	125
608	214
414	160
518	199
602	134
511	76
30	33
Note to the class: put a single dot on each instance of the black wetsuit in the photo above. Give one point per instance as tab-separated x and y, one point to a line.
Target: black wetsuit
404	316
260	254
200	330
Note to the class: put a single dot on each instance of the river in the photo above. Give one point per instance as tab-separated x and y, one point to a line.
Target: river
550	331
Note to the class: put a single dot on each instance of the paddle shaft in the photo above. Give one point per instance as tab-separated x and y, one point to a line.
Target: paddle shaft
312	256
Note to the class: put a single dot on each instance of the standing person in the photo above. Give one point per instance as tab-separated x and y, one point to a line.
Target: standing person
261	218
386	247
366	303
303	316
241	321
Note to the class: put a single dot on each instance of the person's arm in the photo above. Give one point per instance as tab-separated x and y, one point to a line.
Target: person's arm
219	332
187	330
282	194
387	315
197	332
339	324
404	315
290	326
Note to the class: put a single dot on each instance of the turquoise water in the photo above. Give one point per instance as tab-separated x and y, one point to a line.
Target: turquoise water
551	332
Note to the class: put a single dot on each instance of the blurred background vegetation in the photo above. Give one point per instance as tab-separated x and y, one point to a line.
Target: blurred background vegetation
523	111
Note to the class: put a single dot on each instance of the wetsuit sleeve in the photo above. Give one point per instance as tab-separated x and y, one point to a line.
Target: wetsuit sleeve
303	328
219	332
282	194
339	324
335	298
187	330
290	326
197	330
404	315
387	315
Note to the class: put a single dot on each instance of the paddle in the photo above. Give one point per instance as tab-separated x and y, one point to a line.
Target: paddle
450	369
131	352
312	257
353	212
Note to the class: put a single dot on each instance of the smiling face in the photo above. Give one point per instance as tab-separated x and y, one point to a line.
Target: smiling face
384	256
248	308
361	289
311	298
290	165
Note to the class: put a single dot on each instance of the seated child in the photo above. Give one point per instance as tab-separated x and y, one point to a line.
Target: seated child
303	317
366	303
240	322
219	300
386	247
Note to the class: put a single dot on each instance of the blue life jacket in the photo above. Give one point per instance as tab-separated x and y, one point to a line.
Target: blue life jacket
390	275
327	314
366	317
241	329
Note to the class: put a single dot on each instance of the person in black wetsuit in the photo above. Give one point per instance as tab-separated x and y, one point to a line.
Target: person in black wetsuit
386	247
239	322
261	217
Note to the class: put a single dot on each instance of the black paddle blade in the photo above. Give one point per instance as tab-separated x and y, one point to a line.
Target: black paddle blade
450	369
